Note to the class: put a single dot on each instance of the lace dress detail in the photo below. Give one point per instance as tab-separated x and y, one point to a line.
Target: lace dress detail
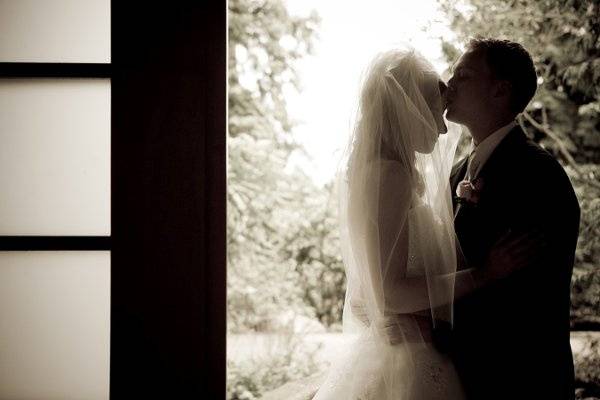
414	265
436	376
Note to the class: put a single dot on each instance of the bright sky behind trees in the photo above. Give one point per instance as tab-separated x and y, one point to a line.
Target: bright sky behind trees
351	32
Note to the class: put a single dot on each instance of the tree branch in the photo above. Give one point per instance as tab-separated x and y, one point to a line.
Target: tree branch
524	128
561	147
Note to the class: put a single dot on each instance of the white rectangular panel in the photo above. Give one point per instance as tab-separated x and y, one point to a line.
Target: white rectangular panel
55	157
55	31
54	325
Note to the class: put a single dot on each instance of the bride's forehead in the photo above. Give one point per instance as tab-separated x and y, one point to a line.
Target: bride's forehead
431	78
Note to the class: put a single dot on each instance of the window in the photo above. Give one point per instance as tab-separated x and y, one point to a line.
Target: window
55	203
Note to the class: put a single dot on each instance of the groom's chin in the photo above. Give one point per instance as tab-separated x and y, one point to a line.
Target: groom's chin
427	148
451	116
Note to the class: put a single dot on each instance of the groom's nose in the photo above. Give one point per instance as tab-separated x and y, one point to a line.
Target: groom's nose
451	89
443	88
451	80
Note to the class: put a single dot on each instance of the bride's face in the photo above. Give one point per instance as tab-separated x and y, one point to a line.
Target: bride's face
437	106
433	92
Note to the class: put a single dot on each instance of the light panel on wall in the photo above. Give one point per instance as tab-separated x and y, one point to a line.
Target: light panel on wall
55	31
55	326
55	157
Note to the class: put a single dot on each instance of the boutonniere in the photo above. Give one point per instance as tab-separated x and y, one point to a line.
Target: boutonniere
469	192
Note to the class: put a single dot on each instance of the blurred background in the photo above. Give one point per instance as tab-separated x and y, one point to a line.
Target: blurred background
294	69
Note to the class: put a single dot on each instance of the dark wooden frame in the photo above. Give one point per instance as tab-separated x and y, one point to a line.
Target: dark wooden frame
54	70
54	243
168	200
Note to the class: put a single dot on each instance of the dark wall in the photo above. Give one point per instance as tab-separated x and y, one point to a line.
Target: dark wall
168	200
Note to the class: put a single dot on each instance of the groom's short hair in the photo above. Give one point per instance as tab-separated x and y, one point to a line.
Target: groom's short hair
511	62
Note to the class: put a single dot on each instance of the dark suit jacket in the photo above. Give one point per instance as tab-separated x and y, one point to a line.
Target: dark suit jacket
511	339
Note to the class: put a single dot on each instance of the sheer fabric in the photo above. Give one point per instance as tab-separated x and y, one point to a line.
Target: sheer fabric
397	237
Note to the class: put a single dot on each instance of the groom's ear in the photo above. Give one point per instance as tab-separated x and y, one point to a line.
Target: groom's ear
502	88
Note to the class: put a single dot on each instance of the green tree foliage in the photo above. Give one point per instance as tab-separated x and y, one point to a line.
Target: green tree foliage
317	257
563	37
585	290
275	217
250	379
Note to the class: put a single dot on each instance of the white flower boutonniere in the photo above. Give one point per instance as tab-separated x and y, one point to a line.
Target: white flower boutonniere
469	191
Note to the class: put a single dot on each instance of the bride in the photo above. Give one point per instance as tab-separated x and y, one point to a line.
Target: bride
398	239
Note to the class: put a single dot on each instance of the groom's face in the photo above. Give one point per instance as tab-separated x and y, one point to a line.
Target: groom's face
469	88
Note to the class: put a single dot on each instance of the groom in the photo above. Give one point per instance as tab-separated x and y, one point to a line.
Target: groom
511	337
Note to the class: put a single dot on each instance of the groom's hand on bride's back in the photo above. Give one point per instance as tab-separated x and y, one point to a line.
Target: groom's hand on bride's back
513	252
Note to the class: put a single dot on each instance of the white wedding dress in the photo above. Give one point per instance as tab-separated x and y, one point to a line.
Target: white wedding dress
372	368
397	238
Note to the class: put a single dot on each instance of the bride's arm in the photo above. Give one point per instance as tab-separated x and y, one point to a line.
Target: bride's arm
510	254
387	245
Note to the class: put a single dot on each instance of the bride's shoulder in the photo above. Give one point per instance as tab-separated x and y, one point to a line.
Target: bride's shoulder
391	181
390	171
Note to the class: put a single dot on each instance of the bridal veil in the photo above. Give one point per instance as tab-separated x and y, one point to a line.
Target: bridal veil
396	228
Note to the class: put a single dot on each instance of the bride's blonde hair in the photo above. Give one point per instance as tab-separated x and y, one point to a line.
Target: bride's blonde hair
392	109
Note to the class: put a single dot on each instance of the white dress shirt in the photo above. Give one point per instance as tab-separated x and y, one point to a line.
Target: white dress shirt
480	153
